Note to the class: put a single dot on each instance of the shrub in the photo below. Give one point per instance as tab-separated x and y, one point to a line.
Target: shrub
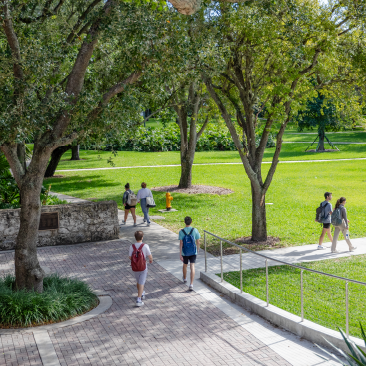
61	299
215	137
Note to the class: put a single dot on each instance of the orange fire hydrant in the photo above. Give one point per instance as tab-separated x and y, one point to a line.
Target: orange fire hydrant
169	198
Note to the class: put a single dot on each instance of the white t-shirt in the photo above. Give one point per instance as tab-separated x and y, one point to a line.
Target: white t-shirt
143	193
145	250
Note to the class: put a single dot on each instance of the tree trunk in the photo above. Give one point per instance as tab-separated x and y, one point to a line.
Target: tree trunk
259	221
55	159
75	152
186	163
321	141
28	273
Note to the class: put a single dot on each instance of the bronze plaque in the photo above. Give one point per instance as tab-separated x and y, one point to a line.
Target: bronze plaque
48	221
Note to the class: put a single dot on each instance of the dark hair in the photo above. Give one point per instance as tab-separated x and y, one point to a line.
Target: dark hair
127	185
188	220
139	235
341	200
327	194
143	185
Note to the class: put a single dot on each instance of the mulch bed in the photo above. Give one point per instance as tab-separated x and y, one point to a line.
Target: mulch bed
55	176
270	243
196	189
320	151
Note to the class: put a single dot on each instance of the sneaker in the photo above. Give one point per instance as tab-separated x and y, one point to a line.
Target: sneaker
335	251
143	297
184	280
144	220
134	224
321	247
190	288
139	303
148	224
123	222
353	249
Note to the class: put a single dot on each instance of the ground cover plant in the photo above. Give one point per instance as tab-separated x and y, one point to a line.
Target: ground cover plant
62	298
324	297
295	194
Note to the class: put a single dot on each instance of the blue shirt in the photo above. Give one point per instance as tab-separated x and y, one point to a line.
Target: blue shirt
187	230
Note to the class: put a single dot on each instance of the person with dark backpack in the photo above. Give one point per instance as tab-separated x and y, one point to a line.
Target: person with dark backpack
189	246
323	216
137	255
340	223
129	201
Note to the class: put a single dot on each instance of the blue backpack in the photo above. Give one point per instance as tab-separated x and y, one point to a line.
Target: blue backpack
189	244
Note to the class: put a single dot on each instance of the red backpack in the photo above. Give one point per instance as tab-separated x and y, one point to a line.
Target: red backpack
138	261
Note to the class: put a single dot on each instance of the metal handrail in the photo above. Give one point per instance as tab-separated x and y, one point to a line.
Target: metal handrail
302	269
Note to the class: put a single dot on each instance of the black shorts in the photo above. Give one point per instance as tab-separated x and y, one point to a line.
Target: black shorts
326	226
191	258
127	207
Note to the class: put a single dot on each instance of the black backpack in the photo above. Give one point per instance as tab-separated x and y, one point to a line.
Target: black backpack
320	213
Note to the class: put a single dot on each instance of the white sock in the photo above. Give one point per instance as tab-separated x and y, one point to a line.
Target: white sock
138	299
143	293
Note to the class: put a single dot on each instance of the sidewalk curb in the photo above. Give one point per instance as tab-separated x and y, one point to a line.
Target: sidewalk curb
308	330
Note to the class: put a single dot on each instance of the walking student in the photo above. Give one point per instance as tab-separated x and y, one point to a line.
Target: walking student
138	254
325	219
142	194
129	200
189	246
340	222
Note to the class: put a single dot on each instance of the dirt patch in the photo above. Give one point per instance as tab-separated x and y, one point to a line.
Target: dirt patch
55	176
196	189
326	150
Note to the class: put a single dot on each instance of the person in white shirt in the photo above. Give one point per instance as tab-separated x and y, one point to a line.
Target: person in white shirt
140	275
141	197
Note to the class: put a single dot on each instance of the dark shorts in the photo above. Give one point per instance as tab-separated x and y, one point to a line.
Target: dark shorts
326	226
190	258
127	207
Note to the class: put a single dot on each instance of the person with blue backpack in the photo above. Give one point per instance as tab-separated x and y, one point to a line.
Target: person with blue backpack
323	216
189	246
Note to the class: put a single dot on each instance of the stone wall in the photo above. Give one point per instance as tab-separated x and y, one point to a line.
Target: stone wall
78	223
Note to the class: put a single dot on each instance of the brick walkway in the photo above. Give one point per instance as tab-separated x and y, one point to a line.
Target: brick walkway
175	327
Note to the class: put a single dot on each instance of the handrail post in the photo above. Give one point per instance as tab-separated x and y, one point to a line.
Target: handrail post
302	296
204	239
241	273
267	295
222	271
347	329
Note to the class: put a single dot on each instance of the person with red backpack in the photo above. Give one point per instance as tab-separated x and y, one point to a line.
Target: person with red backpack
189	248
138	254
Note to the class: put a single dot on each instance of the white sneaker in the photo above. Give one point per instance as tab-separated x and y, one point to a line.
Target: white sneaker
184	280
321	247
144	220
139	303
143	297
353	249
123	222
335	251
148	224
134	224
190	288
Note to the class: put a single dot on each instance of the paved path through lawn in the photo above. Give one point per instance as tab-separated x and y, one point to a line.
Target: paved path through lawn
175	327
178	165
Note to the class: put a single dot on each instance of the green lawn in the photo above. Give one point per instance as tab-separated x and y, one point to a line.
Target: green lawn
296	191
349	136
95	159
324	297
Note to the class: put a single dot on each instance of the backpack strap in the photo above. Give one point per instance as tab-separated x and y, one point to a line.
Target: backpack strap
191	231
134	248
